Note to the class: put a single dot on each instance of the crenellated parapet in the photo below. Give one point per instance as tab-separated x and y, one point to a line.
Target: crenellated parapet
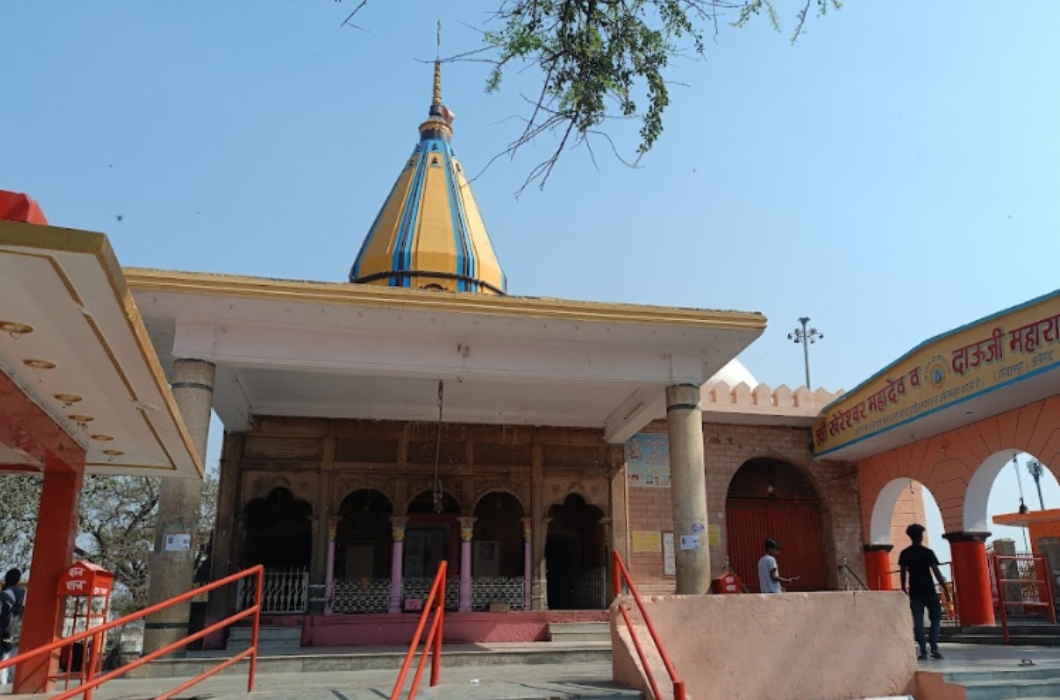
763	400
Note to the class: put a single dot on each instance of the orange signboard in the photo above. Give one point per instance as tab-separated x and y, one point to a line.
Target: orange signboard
971	361
85	579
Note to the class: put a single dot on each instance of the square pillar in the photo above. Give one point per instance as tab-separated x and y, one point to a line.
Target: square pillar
53	550
528	565
688	484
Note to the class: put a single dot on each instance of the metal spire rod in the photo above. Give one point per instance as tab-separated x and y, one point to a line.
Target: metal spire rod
438	68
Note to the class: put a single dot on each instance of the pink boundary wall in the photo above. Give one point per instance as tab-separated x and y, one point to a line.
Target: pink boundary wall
396	629
794	646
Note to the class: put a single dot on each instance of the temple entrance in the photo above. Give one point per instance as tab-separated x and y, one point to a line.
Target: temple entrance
279	531
432	536
772	498
363	547
498	563
576	556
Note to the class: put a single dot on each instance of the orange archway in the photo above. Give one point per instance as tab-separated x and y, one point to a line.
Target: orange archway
950	414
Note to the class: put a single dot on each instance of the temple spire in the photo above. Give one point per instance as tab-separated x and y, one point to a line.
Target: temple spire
438	68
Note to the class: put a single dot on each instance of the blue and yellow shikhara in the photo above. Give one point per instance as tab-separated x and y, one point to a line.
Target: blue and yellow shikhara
429	233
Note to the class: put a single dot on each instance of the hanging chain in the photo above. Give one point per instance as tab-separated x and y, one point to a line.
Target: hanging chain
438	495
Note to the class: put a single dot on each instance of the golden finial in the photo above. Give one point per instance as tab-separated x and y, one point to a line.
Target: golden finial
438	68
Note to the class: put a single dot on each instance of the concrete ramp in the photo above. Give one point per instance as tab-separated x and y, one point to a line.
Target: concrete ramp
795	646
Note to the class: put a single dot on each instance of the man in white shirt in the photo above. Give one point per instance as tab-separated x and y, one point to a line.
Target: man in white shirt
769	578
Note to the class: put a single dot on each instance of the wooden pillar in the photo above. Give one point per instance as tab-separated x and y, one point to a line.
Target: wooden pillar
539	586
224	553
619	502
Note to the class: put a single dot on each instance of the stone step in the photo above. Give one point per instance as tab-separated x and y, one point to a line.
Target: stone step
1009	690
280	661
579	632
267	634
269	638
1032	673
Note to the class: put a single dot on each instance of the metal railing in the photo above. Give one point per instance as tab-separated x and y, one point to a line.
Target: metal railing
283	592
619	576
432	645
847	573
90	680
1037	564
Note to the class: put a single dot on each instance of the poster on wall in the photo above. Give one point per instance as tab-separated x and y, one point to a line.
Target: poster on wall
646	541
669	563
648	459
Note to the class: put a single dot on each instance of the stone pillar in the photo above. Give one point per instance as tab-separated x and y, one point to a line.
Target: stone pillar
539	593
52	552
329	574
397	563
467	531
688	485
971	576
528	567
605	594
878	567
179	506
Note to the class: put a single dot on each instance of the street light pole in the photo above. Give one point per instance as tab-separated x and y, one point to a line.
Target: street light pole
1035	468
806	336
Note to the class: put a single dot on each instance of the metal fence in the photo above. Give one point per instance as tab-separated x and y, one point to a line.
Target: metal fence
284	592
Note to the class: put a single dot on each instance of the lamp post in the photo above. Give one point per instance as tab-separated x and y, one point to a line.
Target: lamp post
806	336
1036	468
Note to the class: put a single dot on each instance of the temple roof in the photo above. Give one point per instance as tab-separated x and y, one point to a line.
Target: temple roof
429	232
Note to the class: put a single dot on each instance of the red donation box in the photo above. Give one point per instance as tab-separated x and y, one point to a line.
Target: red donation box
86	590
727	583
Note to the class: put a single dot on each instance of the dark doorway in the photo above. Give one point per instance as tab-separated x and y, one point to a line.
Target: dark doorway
363	538
576	556
279	531
773	498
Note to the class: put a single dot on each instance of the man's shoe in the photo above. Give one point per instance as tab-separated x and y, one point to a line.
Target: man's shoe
936	654
922	655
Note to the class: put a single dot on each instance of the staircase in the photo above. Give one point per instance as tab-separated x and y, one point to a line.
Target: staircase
275	639
1034	682
580	632
1019	635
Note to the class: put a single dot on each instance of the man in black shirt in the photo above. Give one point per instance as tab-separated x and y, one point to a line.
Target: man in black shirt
917	563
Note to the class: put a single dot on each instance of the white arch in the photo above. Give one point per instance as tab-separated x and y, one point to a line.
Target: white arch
977	496
883	511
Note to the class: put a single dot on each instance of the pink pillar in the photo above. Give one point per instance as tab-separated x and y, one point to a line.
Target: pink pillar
397	589
527	562
467	529
329	574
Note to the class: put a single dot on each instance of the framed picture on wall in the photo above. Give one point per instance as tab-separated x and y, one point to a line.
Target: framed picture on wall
486	559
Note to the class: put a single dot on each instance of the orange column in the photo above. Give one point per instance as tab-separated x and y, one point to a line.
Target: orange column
878	567
971	577
53	549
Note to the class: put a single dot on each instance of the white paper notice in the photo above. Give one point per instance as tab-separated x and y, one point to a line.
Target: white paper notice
689	542
178	543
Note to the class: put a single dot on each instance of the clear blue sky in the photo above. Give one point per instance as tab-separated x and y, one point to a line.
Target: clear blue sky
892	175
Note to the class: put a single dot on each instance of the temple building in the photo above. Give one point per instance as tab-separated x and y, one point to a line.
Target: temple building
419	413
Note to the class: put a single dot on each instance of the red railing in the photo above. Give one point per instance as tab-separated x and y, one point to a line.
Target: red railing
432	645
90	681
620	575
1040	584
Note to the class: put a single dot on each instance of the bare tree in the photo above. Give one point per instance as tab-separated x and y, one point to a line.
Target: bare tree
116	528
601	60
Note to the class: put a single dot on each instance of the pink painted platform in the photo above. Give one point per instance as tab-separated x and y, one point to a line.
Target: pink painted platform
397	629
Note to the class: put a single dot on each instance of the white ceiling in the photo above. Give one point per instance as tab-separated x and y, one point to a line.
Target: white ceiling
303	349
67	286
